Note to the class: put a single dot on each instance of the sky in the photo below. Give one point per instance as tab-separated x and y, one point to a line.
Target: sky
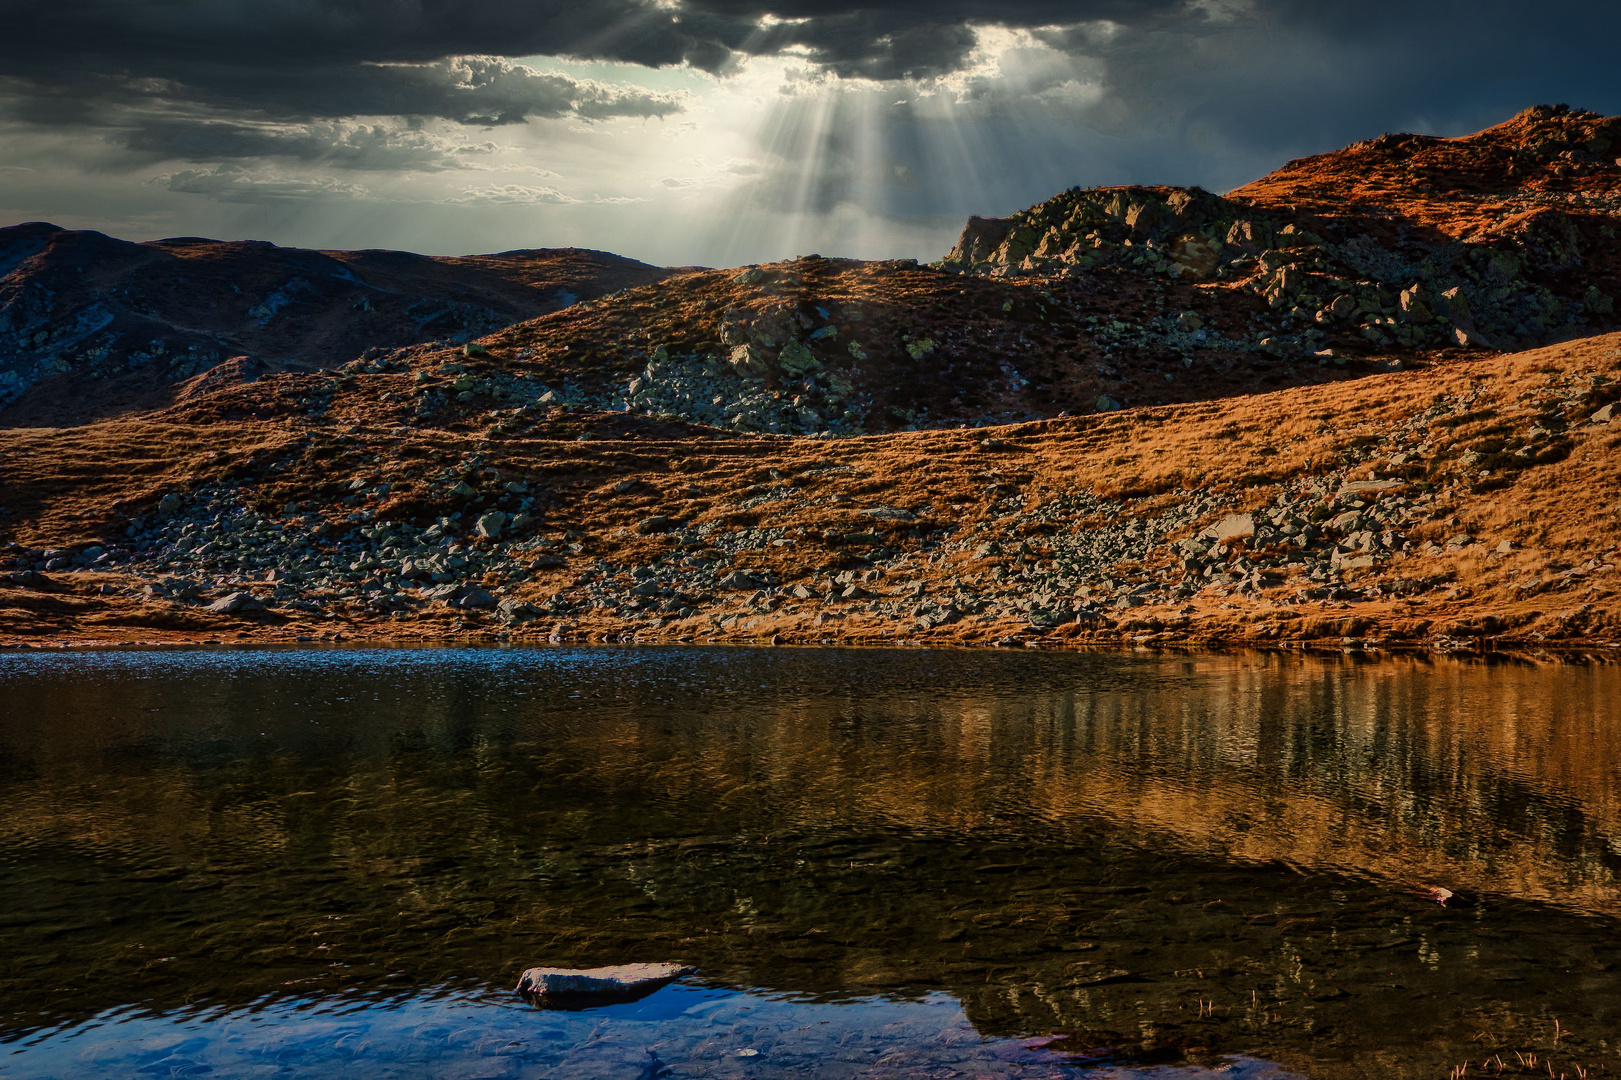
722	132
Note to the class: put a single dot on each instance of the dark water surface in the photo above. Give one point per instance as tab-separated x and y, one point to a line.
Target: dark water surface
908	863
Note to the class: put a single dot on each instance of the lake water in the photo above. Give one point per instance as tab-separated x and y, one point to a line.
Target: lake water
881	863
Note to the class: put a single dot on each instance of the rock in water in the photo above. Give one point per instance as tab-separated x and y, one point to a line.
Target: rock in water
581	988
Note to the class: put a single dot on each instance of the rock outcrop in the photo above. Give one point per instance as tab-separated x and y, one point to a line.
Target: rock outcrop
1505	239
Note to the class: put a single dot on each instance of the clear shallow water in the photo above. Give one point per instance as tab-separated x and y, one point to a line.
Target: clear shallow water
942	857
681	1031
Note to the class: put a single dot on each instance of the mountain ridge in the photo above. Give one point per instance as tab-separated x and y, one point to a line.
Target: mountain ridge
89	323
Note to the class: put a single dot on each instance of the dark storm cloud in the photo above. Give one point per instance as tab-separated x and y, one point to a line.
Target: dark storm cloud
332	58
210	81
194	76
202	40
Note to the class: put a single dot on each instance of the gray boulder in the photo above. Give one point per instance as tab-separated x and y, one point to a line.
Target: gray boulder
490	525
513	611
1232	527
237	603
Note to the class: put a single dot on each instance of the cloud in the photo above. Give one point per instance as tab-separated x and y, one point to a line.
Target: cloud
231	184
512	195
246	111
373	147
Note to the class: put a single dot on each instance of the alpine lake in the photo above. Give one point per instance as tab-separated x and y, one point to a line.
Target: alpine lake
878	863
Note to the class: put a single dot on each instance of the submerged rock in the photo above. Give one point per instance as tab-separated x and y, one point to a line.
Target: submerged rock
563	987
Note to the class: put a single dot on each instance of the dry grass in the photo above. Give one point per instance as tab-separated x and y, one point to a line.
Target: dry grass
77	485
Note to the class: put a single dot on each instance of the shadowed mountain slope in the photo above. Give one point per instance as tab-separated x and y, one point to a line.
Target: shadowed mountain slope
90	325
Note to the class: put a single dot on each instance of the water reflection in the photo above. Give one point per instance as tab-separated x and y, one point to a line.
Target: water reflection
681	1032
1190	856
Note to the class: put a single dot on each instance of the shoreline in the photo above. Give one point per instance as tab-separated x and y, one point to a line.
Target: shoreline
1505	649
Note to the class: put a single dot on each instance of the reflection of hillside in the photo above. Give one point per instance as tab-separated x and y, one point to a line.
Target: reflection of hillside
1085	843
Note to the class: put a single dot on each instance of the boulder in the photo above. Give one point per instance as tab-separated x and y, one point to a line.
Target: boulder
796	360
474	597
490	525
237	603
650	526
513	611
889	513
590	986
1233	527
747	361
1194	256
1244	236
740	580
1414	303
171	503
980	237
1369	489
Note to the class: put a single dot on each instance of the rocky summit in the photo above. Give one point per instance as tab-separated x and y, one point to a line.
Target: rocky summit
1369	400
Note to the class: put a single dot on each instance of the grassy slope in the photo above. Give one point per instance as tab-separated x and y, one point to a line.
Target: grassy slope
67	486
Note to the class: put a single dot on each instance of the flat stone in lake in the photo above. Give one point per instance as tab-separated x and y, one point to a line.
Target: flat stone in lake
589	986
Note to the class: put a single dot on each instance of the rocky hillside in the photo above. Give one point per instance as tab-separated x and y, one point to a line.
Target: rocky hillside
91	325
1138	413
1108	298
1475	501
1503	240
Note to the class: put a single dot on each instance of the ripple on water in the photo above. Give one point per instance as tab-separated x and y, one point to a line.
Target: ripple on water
308	857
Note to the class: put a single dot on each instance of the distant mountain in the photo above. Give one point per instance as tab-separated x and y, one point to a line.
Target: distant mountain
90	325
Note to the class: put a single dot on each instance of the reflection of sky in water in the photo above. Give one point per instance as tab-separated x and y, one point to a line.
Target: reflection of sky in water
681	1031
